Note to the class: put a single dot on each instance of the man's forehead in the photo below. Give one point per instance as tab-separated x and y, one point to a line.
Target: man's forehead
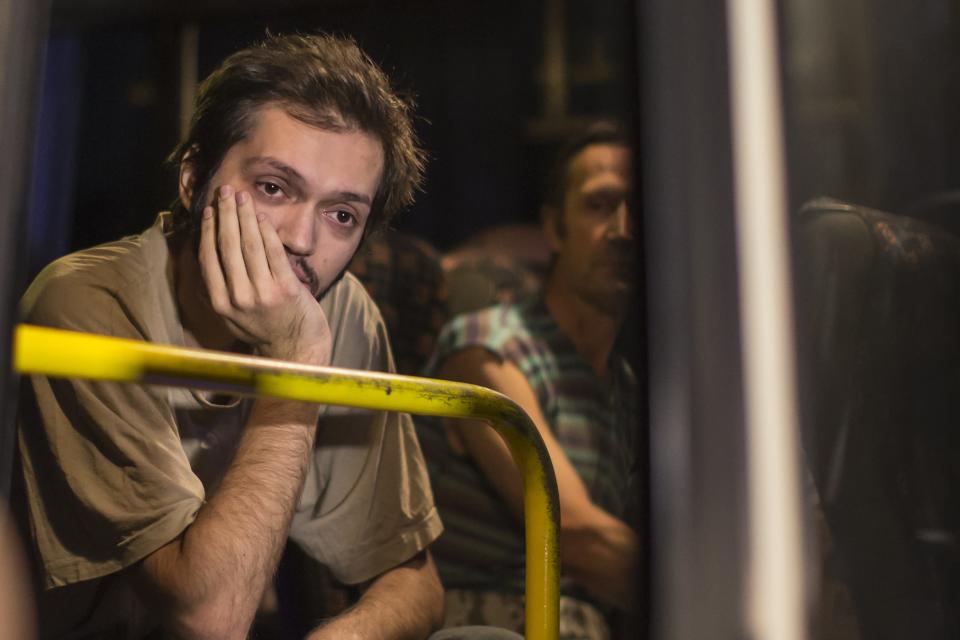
602	161
328	118
268	118
281	137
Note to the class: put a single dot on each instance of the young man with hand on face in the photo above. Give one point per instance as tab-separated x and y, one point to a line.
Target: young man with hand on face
156	511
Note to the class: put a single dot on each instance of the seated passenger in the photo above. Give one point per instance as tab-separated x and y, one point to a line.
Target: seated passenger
554	355
402	274
495	266
159	511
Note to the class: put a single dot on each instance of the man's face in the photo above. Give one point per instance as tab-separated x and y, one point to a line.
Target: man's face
314	186
594	246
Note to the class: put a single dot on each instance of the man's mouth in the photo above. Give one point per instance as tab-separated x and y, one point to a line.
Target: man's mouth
618	259
301	276
620	266
305	274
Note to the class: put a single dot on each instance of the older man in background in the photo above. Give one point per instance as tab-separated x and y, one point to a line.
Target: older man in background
555	355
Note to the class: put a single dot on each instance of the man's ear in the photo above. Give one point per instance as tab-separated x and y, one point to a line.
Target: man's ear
551	223
187	176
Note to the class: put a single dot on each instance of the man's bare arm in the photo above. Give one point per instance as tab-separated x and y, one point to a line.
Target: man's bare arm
403	603
208	582
598	550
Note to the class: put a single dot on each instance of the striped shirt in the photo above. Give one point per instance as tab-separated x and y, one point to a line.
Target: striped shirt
593	419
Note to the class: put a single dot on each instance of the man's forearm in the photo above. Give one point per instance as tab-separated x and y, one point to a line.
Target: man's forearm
403	603
209	582
602	555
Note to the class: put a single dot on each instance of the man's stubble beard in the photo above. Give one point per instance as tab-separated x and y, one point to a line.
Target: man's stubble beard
608	294
609	300
315	292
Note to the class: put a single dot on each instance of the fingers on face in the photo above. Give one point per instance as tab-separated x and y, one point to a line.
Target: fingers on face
251	242
276	255
242	257
209	259
228	241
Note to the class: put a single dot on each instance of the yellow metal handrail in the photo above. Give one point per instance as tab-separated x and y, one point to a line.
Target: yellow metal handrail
68	354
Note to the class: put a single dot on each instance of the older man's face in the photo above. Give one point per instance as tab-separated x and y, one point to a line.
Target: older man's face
595	252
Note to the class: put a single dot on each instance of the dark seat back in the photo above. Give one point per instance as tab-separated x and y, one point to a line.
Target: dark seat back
879	324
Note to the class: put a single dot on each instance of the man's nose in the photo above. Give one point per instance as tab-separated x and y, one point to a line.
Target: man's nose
621	223
298	230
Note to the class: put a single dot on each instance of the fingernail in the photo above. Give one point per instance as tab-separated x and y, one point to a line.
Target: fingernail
261	217
207	213
242	197
226	191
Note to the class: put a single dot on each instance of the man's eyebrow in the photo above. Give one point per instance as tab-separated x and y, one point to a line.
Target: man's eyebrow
293	175
288	172
349	196
606	190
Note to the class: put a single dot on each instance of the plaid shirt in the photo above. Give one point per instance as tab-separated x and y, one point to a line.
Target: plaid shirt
593	419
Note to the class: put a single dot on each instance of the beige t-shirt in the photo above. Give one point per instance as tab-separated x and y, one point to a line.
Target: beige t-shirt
112	472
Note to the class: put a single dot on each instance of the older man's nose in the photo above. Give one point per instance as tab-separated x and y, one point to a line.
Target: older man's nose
621	223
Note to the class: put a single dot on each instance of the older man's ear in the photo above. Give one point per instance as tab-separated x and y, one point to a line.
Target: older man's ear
552	226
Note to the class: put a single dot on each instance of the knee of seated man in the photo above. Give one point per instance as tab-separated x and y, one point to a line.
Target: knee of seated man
475	633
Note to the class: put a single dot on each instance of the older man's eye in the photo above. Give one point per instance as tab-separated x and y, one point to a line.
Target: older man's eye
602	204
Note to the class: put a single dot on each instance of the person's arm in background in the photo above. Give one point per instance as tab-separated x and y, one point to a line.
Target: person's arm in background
404	603
17	609
599	551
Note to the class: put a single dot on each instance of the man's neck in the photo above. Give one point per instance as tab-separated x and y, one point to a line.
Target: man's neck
592	331
202	326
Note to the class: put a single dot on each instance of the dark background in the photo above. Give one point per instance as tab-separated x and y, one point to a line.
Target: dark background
871	93
110	107
871	89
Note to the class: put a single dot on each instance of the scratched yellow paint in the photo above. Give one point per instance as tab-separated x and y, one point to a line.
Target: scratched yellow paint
68	354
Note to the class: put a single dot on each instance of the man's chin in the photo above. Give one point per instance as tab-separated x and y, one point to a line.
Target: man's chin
612	299
317	290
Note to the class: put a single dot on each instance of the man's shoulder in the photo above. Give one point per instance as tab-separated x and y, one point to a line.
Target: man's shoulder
86	283
496	323
348	301
501	329
359	333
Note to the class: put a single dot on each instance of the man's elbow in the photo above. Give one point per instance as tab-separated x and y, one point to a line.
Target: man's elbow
189	602
581	526
208	625
214	618
587	543
576	543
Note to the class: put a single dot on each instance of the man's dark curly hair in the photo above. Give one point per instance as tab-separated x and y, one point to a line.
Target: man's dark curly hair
322	80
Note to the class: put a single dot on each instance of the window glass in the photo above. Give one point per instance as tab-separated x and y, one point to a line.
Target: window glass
872	90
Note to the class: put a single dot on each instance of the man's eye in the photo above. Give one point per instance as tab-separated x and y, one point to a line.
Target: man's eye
602	204
344	217
270	188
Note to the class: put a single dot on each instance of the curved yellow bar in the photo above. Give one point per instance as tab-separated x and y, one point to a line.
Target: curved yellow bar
68	354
